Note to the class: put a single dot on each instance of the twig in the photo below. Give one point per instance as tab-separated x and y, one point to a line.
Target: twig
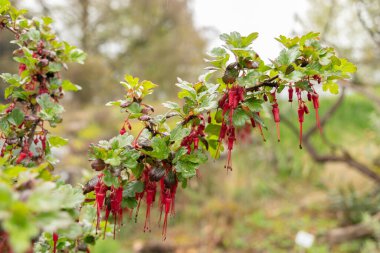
268	83
345	156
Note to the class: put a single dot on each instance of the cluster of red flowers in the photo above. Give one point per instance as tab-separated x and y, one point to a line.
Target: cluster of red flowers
168	188
228	103
302	107
197	131
111	204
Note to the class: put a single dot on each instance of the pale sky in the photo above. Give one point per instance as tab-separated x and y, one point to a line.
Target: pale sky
270	18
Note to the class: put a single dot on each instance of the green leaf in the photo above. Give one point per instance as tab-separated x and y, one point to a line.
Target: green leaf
148	87
220	57
5	197
178	133
110	179
50	110
213	129
57	141
69	86
233	39
239	117
288	56
130	202
77	55
331	86
55	66
132	188
137	170
160	148
4	6
47	20
115	103
16	117
70	197
308	36
4	125
130	158
113	161
134	108
188	163
346	66
186	86
132	81
246	41
171	105
287	42
186	168
254	105
34	34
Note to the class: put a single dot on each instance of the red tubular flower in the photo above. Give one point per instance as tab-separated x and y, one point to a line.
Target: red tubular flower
276	117
55	240
301	112
116	209
290	93
231	98
21	157
305	109
223	100
100	195
315	99
21	68
150	197
196	143
230	146
241	92
43	142
167	203
222	135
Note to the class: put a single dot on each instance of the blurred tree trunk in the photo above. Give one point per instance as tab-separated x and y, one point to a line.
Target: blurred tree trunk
84	4
154	40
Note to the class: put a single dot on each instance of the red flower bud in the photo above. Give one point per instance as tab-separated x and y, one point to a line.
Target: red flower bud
290	94
122	131
276	116
309	96
55	240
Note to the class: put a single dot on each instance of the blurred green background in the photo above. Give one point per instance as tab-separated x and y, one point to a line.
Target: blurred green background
275	189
